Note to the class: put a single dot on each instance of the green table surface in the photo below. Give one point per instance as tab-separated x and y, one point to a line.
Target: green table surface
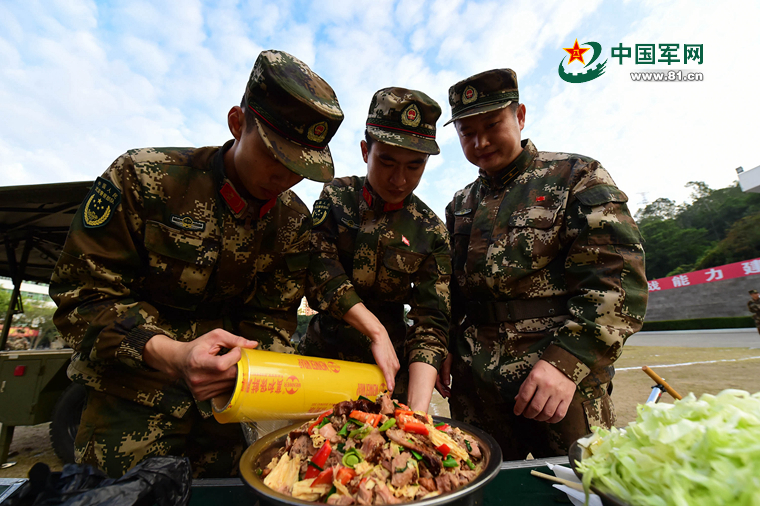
513	485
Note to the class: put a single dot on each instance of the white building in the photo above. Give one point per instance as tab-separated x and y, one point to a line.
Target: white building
749	179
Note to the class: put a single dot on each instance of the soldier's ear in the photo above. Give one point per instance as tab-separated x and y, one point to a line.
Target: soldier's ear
236	121
365	150
520	113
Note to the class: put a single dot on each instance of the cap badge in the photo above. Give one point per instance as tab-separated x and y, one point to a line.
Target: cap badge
317	132
469	95
411	116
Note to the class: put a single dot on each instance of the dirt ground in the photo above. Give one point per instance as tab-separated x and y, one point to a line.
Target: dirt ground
706	370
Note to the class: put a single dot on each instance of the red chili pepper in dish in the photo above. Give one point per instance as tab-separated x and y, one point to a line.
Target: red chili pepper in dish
444	449
365	417
344	475
319	420
409	423
318	460
324	478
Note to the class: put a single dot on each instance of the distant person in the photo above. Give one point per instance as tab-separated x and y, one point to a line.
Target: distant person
548	280
179	253
754	308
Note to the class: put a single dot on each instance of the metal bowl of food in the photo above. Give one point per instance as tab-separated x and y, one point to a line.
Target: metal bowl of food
259	454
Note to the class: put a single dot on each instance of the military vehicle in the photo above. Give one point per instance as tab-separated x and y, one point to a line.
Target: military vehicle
34	388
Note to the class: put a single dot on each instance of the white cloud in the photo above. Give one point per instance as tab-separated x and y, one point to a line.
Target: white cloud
82	81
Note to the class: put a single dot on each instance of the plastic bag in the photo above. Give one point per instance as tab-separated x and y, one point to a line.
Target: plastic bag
164	481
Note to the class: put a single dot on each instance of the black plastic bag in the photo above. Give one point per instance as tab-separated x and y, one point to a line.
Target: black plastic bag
164	481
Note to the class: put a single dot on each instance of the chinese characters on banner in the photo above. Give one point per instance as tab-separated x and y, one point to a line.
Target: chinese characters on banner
729	271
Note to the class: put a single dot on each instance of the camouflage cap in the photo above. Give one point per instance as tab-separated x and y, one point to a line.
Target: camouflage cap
297	113
404	118
481	93
752	291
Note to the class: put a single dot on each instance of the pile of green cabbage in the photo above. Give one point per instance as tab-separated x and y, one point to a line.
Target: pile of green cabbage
694	452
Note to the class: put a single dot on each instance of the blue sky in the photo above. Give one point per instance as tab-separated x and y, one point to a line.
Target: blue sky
84	81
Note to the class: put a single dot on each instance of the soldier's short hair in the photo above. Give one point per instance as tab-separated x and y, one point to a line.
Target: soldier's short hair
369	140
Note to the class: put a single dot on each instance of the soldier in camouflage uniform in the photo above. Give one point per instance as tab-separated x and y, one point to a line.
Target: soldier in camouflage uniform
754	308
377	247
549	280
178	254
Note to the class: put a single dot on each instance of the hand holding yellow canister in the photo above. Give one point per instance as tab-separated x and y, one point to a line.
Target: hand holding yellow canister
272	386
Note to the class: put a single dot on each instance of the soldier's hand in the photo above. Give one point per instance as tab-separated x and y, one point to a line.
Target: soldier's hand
385	358
545	394
362	319
443	381
198	362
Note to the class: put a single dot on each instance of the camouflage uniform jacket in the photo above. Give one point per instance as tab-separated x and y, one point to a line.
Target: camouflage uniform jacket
365	250
175	258
754	308
549	225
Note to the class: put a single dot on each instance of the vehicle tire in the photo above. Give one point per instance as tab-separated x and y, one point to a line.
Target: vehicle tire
65	421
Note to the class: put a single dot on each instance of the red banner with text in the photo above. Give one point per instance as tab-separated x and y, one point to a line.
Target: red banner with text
728	271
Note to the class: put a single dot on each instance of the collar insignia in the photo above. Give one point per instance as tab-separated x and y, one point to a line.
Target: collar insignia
235	202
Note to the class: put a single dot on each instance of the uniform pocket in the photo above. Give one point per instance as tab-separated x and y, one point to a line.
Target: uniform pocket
394	277
531	240
461	240
179	264
534	217
402	261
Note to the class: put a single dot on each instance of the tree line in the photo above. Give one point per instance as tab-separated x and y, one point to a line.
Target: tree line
717	227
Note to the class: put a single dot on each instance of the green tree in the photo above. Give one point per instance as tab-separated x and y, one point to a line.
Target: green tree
681	238
741	243
662	209
668	247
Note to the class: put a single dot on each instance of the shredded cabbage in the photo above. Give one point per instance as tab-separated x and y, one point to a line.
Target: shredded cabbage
694	452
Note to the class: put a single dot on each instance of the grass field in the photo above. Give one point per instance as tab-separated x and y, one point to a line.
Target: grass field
697	370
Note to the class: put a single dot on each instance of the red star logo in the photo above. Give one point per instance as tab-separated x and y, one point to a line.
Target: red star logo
576	52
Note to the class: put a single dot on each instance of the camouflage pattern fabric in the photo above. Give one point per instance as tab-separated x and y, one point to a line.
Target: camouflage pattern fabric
384	255
485	92
754	308
116	434
484	407
156	249
559	229
405	119
297	113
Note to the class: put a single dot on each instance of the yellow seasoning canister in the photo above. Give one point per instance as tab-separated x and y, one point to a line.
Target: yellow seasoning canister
273	386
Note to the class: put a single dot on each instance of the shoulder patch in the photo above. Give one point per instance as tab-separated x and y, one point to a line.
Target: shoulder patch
601	194
100	204
321	209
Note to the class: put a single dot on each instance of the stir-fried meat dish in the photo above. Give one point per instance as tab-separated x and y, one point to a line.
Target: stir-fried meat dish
364	452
